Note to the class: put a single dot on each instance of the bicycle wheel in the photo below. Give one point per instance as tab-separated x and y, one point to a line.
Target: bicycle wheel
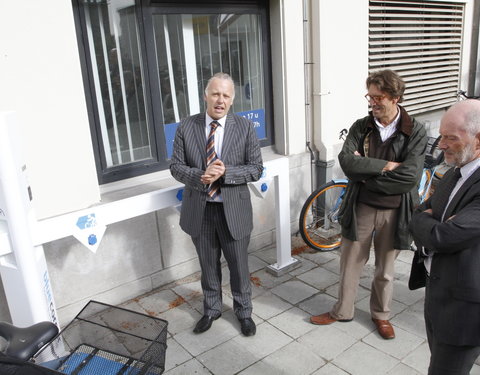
424	185
318	221
434	155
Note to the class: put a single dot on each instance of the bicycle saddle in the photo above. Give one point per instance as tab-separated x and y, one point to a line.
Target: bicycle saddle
23	343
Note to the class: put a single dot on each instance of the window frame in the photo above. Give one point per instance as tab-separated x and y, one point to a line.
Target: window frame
144	10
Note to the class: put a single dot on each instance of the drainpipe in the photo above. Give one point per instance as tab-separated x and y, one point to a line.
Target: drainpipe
473	79
308	65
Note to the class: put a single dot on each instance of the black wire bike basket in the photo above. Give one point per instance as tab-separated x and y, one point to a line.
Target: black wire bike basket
108	340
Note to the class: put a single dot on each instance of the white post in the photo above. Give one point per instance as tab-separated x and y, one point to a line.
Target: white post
285	261
22	265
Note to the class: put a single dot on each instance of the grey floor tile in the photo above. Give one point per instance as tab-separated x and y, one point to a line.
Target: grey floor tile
402	345
268	305
319	278
268	255
175	355
359	327
318	304
294	291
411	320
268	281
223	329
330	369
189	368
180	318
293	322
362	359
419	359
402	369
255	263
267	340
228	358
327	341
321	257
189	290
305	266
286	341
292	359
163	300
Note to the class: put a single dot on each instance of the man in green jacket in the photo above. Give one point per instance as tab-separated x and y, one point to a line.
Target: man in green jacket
383	158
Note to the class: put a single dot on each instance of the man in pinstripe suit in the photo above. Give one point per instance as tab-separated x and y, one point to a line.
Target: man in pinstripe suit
216	208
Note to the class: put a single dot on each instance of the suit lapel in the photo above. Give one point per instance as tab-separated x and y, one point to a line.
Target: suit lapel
199	134
461	192
228	136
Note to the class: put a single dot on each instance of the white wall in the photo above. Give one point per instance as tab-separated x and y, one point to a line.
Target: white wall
41	80
340	57
288	75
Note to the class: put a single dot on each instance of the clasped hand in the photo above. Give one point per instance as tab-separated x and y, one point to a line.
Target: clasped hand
213	172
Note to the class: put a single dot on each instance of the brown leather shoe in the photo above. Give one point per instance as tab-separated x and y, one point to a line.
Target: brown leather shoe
326	318
384	328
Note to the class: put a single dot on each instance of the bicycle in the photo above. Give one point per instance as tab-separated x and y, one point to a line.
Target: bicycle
319	221
102	339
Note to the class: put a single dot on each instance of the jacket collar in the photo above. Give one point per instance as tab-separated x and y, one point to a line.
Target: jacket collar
405	124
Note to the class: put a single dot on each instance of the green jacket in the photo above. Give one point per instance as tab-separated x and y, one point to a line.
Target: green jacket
409	146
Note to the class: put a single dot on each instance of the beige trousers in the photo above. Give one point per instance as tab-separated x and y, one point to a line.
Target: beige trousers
379	225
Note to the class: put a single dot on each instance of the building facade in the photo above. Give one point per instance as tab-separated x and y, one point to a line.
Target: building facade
99	86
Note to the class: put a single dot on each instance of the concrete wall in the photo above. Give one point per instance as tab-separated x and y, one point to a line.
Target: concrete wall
41	81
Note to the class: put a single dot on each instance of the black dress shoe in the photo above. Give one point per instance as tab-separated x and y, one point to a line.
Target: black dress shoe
248	326
205	323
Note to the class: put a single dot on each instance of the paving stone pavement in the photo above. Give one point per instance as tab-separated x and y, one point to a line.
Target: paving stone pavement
286	342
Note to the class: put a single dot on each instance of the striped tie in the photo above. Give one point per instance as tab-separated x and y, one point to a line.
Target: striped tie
214	188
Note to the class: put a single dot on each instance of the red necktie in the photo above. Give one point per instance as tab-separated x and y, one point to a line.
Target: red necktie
214	188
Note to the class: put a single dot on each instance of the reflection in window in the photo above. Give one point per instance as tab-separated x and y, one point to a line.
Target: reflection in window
119	80
191	48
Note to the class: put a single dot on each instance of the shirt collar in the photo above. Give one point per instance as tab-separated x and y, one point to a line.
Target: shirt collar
221	121
468	169
394	123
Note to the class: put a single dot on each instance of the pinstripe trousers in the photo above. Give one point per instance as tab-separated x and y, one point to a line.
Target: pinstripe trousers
213	239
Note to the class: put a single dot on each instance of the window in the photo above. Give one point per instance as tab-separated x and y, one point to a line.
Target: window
146	65
421	41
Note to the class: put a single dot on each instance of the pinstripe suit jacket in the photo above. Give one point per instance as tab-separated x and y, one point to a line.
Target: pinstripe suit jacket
243	163
453	297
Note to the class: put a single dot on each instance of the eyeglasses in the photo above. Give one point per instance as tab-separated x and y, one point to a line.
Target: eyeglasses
375	98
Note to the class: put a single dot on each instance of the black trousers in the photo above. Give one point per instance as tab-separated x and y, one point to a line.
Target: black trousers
448	359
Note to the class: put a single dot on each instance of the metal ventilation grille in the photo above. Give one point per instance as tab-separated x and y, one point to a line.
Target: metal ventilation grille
422	42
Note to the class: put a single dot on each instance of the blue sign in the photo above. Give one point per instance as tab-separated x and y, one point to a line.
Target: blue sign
257	117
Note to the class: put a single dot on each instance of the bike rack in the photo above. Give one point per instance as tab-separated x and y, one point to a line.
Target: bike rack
23	267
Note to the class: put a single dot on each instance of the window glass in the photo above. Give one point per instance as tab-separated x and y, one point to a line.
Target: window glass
146	65
191	48
119	81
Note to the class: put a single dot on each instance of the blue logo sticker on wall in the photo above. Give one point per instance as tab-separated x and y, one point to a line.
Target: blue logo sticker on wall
87	221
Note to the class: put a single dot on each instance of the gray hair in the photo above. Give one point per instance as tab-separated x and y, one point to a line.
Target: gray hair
221	75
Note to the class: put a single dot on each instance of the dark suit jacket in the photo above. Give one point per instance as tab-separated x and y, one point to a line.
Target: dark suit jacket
243	163
453	296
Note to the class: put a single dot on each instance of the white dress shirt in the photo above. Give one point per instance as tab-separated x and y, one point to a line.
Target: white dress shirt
387	131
